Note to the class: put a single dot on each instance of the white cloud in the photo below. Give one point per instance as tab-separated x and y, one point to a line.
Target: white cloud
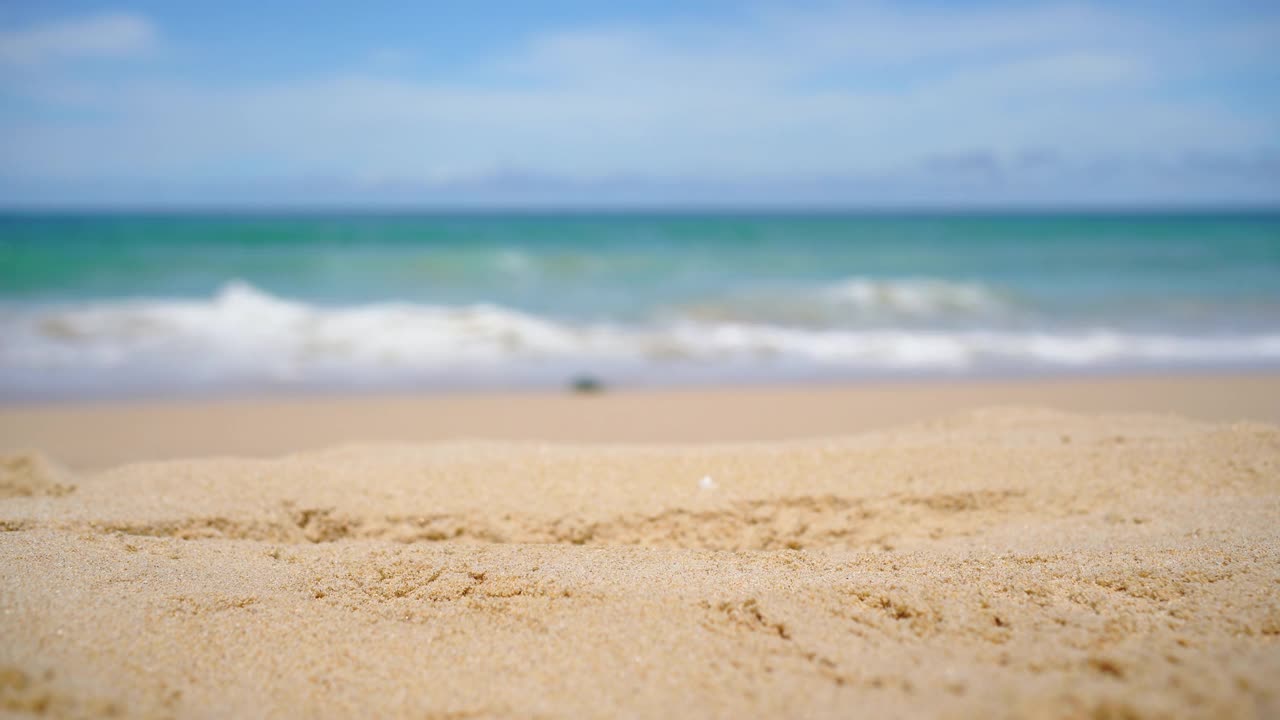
868	92
111	35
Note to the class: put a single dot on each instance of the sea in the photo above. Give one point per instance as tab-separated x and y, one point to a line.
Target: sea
134	305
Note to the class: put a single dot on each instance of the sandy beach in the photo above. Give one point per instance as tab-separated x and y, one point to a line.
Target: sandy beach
86	436
1064	548
661	361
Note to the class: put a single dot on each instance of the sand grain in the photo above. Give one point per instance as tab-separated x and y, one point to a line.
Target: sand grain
998	563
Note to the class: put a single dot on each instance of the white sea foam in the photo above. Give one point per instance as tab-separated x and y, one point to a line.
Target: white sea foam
252	336
919	297
859	301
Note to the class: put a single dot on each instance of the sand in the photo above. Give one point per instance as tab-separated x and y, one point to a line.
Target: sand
97	436
993	562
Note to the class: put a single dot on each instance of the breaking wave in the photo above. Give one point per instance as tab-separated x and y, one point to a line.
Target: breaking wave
860	301
915	296
243	335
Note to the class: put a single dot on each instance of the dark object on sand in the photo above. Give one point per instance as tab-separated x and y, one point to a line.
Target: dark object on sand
586	385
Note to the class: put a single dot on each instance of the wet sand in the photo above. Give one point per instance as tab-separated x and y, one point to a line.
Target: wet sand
96	436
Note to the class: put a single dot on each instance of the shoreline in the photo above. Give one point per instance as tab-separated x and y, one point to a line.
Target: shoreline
97	435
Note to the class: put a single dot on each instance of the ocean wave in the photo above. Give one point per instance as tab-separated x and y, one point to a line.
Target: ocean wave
247	334
919	297
859	301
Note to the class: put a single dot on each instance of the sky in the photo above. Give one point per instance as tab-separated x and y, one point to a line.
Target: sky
582	104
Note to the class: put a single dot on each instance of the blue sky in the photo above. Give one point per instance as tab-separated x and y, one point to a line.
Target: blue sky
856	104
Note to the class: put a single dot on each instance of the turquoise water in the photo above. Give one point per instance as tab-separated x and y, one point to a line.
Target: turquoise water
154	304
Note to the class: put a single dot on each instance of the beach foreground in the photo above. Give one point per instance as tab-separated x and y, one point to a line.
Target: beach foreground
1001	562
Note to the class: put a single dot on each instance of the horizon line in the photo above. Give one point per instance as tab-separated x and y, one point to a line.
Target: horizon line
639	208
